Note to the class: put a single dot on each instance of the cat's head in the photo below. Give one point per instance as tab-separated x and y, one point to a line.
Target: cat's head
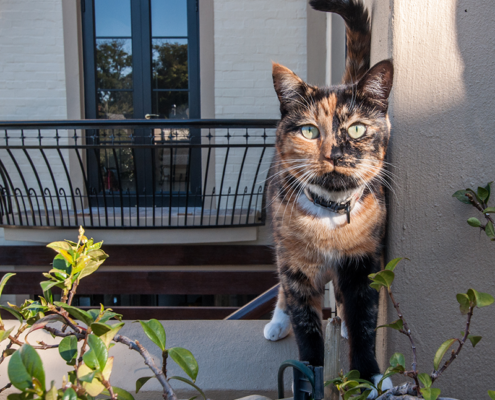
334	137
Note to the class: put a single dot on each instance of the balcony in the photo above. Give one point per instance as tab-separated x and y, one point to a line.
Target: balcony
134	174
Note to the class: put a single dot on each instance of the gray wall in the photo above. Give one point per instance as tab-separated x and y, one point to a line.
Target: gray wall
442	140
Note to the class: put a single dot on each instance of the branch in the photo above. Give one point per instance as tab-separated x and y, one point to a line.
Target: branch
64	315
480	208
72	292
8	385
407	332
168	393
59	333
21	329
436	374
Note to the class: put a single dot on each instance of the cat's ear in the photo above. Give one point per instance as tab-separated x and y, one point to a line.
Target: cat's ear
377	82
289	87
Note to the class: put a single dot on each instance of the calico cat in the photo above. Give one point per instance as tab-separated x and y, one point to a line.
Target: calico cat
326	197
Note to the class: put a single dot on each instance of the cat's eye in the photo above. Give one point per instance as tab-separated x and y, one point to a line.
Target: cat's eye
310	132
356	131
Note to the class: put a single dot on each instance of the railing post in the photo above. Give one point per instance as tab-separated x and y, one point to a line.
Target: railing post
332	357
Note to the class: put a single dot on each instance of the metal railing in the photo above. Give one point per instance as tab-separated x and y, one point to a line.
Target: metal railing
134	173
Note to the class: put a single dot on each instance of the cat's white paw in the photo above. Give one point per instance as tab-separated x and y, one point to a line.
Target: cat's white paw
278	327
386	384
343	330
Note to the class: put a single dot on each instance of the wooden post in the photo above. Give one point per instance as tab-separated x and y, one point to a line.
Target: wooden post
332	357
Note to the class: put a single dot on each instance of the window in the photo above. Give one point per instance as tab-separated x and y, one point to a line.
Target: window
141	57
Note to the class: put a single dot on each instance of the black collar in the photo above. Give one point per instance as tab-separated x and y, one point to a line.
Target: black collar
343	207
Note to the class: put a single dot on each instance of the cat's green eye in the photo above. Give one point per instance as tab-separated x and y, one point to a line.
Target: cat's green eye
356	131
310	132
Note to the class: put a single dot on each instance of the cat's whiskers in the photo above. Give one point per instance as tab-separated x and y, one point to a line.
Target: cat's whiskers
304	180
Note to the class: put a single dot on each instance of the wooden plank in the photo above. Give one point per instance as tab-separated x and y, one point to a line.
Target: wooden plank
155	282
150	255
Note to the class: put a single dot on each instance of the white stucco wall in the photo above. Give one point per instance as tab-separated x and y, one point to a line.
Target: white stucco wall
442	141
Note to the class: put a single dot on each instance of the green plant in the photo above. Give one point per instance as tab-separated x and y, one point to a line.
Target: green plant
91	365
351	387
479	200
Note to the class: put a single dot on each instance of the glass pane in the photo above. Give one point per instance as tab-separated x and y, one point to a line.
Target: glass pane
117	169
114	63
170	64
171	105
177	172
113	17
168	18
114	105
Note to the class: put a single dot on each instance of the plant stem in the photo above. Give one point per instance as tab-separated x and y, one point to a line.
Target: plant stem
21	329
59	333
478	206
436	374
164	362
168	392
8	385
406	331
72	292
107	385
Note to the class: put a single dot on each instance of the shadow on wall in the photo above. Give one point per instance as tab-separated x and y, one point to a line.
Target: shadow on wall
443	140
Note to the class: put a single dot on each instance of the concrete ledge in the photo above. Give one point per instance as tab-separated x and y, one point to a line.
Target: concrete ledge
234	358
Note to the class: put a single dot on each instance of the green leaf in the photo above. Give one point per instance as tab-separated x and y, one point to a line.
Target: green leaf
488	189
88	377
483	193
474	222
4	280
69	394
52	394
41	323
491	393
68	349
482	299
464	302
60	263
430	393
490	232
441	352
425	380
122	394
185	359
108	315
376	286
489	210
76	313
100	329
5	334
474	339
180	378
154	330
398	359
97	356
397	325
393	263
385	277
47	285
461	196
353	374
141	381
24	365
108	336
13	312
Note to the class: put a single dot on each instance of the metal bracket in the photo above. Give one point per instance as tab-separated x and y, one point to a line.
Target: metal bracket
308	380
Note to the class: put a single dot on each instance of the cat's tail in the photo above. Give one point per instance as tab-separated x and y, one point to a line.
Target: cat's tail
358	33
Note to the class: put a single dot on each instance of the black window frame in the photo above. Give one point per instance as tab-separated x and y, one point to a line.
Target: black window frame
142	101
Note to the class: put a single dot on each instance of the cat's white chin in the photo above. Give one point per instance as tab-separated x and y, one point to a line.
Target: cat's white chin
386	384
278	327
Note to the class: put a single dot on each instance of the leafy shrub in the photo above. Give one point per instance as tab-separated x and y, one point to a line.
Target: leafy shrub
91	365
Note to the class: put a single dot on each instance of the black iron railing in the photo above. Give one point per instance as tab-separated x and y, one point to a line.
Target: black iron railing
134	173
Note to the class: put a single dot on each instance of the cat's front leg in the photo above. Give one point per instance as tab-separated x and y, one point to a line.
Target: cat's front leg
360	303
279	326
304	295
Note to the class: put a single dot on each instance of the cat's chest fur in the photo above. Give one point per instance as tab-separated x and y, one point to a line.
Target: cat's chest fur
323	236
